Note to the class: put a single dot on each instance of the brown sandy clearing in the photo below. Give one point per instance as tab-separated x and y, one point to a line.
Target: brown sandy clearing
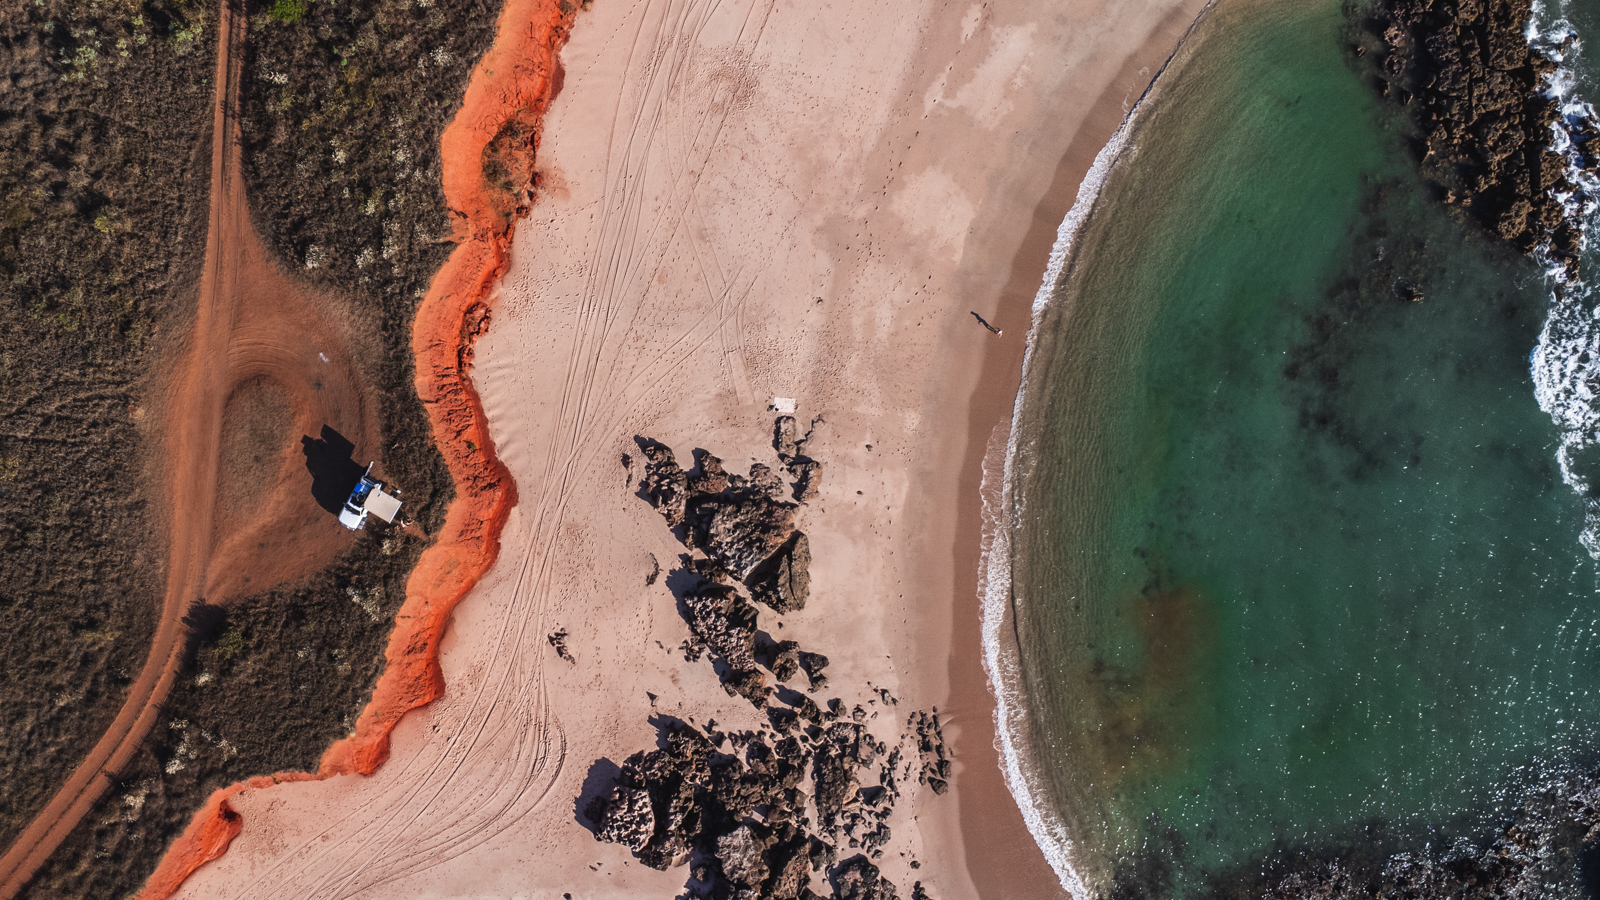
251	323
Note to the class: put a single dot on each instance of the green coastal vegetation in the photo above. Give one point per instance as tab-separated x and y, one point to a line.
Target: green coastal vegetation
104	117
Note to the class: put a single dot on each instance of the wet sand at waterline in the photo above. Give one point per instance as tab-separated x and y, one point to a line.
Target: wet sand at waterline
736	203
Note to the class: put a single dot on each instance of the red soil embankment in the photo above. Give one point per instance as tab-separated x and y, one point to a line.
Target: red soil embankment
493	136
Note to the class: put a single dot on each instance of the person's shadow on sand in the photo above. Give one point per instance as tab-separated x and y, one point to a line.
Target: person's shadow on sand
334	473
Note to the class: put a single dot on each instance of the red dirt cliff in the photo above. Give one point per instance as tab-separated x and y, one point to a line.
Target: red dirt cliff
488	152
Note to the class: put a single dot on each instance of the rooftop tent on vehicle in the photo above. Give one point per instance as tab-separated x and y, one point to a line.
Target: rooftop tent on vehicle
368	497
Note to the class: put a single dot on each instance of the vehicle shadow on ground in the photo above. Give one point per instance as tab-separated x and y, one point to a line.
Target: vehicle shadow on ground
334	472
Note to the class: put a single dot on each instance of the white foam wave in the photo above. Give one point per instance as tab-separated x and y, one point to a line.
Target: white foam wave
1005	677
1002	511
1566	363
1067	233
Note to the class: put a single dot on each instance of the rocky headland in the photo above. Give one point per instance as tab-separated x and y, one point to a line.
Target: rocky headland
1492	129
758	813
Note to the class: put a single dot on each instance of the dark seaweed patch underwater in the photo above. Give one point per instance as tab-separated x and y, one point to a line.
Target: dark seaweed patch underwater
1302	601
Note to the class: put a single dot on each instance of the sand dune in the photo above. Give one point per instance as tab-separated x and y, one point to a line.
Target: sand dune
737	200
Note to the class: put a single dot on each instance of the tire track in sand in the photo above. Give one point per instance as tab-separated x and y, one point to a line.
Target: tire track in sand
503	751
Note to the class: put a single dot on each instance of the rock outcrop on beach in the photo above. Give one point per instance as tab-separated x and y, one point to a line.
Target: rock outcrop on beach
1477	93
935	766
760	813
783	582
665	482
790	444
697	798
739	523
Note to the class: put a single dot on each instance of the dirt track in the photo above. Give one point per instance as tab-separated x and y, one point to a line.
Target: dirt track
500	112
252	323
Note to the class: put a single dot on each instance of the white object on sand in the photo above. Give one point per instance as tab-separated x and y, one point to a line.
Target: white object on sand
783	405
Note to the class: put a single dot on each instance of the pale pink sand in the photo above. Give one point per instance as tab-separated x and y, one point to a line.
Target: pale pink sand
740	200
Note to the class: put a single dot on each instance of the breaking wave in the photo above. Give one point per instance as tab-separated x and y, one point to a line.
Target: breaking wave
1002	514
1566	362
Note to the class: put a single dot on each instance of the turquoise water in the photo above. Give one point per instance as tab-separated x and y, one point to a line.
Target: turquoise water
1294	566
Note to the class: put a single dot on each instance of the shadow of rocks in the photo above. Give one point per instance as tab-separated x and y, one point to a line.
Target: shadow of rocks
602	775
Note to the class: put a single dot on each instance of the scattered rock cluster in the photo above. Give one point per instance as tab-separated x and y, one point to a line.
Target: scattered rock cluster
1475	90
737	807
742	541
558	640
935	769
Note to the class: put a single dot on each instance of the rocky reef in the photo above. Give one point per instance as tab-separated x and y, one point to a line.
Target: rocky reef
1493	131
1550	848
757	814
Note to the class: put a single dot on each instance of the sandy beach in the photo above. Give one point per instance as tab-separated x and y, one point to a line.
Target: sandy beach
738	202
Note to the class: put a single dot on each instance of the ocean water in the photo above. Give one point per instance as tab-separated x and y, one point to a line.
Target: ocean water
1293	540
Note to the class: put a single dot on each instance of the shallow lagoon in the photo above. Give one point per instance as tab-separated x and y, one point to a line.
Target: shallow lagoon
1293	562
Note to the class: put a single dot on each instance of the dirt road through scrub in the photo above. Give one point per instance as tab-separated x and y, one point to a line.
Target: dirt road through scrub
493	134
252	324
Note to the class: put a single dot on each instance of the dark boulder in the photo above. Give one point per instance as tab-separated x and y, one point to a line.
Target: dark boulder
622	815
749	684
709	476
858	879
665	482
813	664
783	582
784	660
834	771
725	621
765	481
786	438
807	475
742	853
740	529
789	865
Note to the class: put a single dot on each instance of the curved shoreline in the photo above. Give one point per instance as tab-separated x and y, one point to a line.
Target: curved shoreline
1000	515
515	80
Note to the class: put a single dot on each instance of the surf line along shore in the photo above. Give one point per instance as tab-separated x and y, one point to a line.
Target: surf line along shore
711	171
506	96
